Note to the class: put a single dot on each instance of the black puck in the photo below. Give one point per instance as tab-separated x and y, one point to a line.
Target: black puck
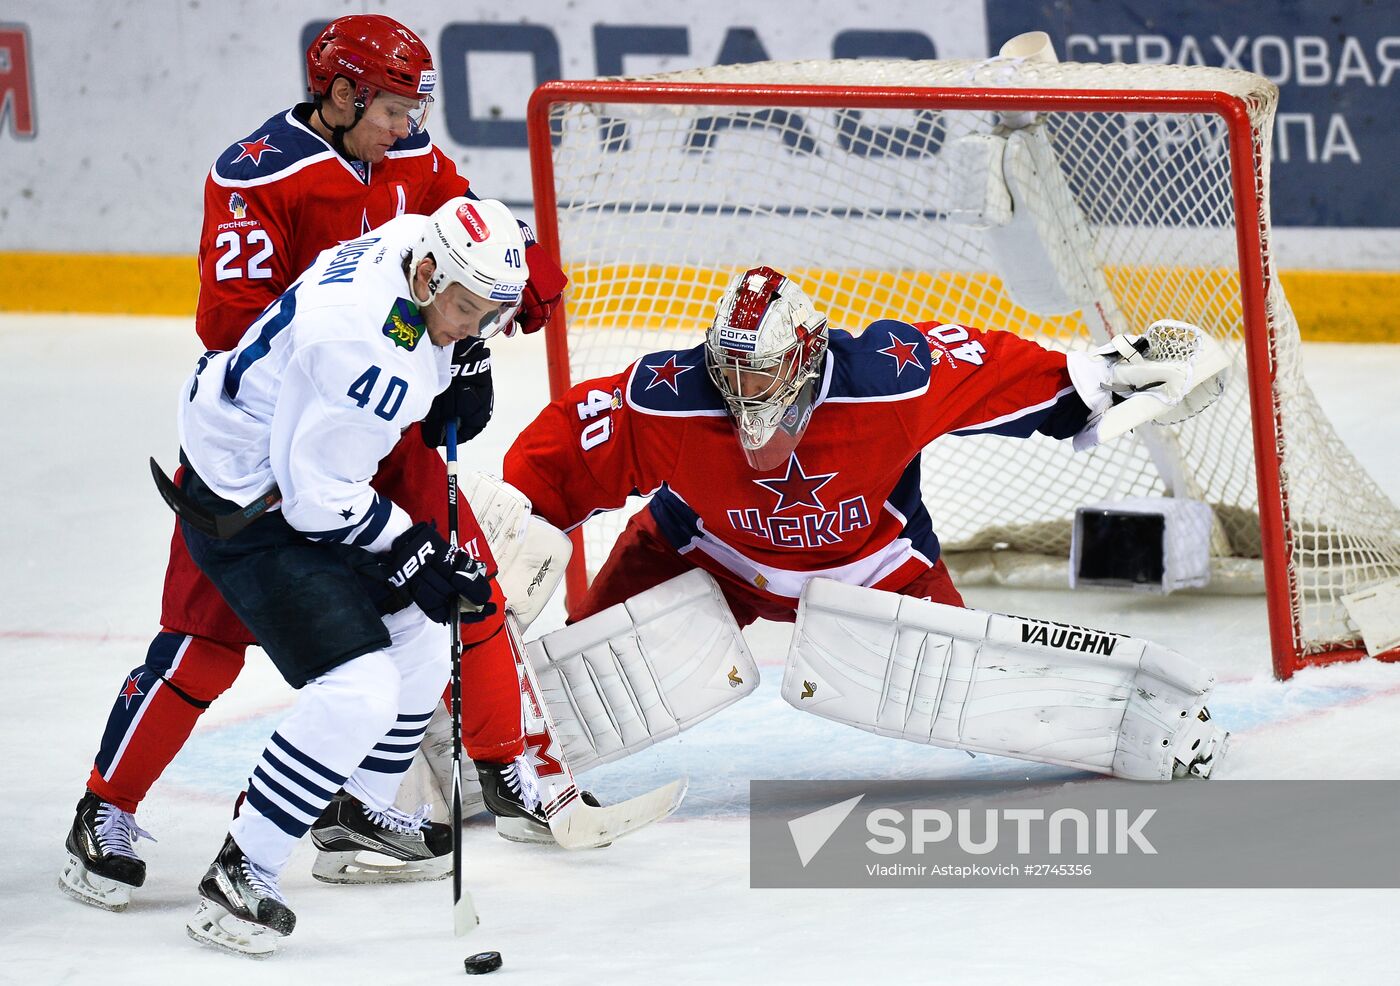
481	963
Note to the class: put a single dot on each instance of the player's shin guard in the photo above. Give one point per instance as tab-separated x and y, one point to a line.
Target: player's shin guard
156	710
1007	685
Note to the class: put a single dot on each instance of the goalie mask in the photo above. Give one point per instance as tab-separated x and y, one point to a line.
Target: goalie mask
478	244
764	352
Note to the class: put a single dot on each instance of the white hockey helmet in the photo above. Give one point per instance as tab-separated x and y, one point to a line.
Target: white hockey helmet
764	352
478	244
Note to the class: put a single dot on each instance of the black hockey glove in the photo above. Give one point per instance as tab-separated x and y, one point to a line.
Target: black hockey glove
437	575
469	397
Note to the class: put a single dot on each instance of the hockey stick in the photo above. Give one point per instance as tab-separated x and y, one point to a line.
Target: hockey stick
464	916
575	823
221	527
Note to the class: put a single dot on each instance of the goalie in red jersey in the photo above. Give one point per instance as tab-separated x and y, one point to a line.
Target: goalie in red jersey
782	460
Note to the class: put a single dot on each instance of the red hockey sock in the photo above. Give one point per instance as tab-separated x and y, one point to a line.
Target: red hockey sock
156	710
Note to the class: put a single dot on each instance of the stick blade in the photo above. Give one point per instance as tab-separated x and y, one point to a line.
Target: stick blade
583	826
464	917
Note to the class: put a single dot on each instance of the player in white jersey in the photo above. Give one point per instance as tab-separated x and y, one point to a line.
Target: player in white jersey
346	595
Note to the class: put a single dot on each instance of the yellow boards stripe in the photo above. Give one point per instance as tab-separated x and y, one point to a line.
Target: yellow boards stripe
1332	306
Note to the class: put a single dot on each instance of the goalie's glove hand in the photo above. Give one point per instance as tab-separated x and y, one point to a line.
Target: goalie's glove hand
1172	371
440	578
469	398
543	288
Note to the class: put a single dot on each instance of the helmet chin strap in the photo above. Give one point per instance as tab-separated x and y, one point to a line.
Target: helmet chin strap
338	133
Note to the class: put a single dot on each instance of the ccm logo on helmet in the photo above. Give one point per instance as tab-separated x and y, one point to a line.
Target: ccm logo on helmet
351	66
471	221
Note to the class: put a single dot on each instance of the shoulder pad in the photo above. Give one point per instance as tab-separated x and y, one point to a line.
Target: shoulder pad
275	147
673	382
890	360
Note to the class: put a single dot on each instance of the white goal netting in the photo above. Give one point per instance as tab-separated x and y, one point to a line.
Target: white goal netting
659	203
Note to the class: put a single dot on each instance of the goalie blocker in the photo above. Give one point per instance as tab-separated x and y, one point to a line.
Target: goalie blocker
898	666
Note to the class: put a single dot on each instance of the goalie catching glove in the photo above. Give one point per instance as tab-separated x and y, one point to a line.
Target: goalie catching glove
1168	374
437	575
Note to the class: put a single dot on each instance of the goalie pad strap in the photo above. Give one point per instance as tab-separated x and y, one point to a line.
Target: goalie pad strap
642	670
988	683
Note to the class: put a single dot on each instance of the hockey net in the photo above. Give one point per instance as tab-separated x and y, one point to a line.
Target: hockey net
656	190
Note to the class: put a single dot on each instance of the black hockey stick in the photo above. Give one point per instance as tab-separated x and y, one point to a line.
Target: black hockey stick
464	916
221	527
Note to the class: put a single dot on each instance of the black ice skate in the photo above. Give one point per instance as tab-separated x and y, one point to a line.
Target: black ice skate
241	907
102	865
361	845
511	791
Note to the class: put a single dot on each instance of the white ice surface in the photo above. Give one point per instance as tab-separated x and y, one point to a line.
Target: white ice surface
84	537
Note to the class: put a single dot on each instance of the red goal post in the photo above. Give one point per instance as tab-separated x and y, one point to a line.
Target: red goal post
668	149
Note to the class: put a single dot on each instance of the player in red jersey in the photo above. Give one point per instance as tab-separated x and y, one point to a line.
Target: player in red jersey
321	172
823	484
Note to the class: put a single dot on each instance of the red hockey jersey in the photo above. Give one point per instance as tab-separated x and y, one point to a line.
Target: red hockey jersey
276	199
846	505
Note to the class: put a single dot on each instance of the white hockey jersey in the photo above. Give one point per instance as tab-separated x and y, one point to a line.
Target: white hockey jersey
318	390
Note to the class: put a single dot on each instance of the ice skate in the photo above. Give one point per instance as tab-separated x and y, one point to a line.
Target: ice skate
241	909
102	867
361	845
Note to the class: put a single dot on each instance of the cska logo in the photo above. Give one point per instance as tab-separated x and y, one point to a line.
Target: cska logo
237	206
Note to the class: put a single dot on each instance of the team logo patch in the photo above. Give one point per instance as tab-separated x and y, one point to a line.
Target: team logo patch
742	340
472	222
617	398
237	206
427	82
797	488
666	374
405	325
255	149
903	353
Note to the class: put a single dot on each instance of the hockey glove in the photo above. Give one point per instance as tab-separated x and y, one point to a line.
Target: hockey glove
543	289
437	576
469	398
1166	375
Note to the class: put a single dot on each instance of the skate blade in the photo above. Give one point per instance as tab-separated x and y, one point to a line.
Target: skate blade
524	831
371	867
77	882
213	925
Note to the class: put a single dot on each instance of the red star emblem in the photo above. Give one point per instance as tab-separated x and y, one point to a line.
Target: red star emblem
132	689
255	149
796	489
903	353
666	373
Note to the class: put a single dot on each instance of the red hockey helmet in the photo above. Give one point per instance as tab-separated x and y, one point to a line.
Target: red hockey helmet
376	53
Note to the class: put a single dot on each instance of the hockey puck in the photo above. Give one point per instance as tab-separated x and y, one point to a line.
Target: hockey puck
481	963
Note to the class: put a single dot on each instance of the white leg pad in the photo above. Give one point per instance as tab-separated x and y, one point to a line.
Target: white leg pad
1007	685
643	670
